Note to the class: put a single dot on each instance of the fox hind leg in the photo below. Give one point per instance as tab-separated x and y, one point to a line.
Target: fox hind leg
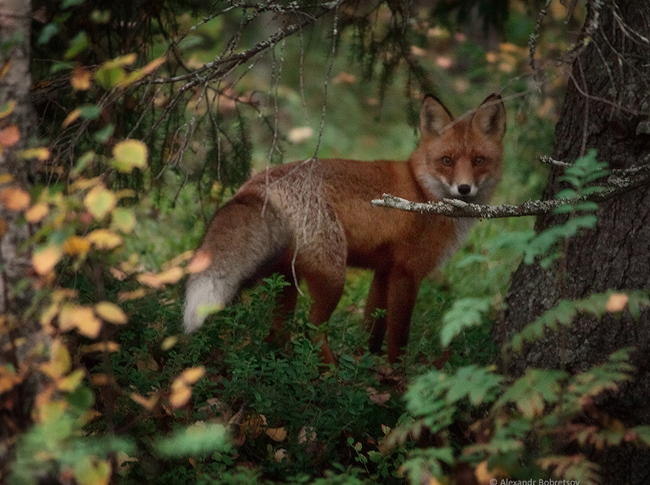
286	304
376	300
401	294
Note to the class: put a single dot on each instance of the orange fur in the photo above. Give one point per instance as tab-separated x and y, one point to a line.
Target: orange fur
311	219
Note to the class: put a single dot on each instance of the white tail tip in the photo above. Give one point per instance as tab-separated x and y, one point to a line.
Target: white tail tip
205	294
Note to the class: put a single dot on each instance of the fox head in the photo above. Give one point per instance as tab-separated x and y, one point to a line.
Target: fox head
460	158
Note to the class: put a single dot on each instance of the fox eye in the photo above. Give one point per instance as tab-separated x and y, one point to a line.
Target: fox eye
479	161
446	161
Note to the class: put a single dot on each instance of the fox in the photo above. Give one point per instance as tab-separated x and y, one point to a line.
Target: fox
310	220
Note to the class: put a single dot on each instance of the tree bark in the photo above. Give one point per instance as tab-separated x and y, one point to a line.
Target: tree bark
15	21
16	128
606	107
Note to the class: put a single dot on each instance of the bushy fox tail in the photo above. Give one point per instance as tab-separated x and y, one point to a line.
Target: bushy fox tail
246	237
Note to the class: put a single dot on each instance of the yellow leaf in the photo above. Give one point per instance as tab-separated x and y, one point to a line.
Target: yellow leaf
71	118
100	380
125	194
281	455
140	73
111	313
89	470
109	346
83	318
172	275
181	258
130	265
277	434
144	402
491	57
104	239
484	476
76	245
71	382
37	212
131	295
7	109
5	178
9	136
153	65
40	154
59	363
14	198
83	184
617	302
8	379
180	396
45	260
48	315
125	60
169	342
80	79
118	274
191	375
5	69
100	201
150	279
130	154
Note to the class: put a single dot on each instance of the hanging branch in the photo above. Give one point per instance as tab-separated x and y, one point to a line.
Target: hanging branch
618	183
222	66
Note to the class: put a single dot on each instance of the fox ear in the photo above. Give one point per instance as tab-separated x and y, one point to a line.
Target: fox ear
433	116
490	117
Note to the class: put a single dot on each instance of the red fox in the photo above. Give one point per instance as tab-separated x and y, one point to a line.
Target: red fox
309	220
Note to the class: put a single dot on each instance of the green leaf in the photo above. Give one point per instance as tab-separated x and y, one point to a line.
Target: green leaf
49	31
199	439
595	189
564	209
123	219
642	433
84	160
81	399
586	206
566	194
109	76
103	135
90	111
77	45
531	392
61	66
466	312
573	180
100	16
71	3
475	383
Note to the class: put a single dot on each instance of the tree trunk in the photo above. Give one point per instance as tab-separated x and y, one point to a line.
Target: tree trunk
15	21
15	131
606	107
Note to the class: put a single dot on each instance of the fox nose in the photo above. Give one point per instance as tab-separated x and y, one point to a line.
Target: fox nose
464	189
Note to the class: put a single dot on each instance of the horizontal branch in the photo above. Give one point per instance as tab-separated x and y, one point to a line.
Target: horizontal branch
622	182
